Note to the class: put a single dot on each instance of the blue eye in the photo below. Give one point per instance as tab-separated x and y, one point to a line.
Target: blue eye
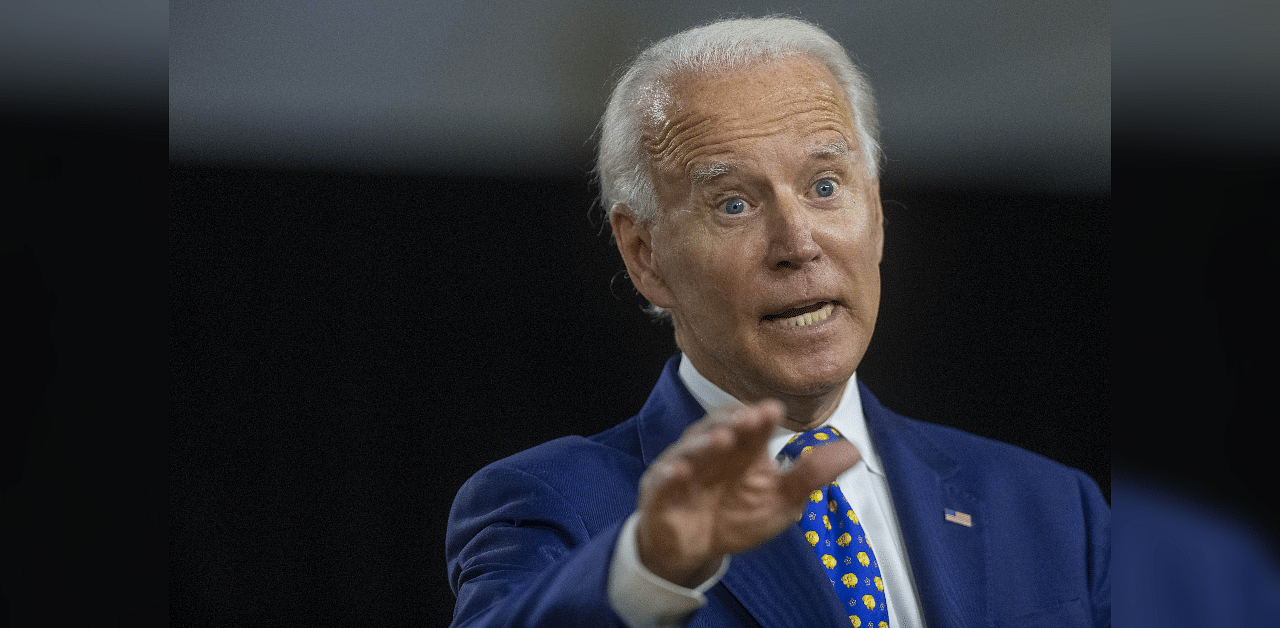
825	188
734	206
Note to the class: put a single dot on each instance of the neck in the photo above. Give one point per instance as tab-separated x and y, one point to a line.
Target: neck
809	412
806	409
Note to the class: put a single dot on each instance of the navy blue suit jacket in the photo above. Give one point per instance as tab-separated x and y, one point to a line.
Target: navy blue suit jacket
531	536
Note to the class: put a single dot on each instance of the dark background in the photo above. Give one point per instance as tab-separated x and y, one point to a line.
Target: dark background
348	348
250	377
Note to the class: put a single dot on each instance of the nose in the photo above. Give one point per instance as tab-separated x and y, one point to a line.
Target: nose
791	242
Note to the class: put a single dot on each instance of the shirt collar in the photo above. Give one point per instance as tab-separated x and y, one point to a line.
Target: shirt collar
847	418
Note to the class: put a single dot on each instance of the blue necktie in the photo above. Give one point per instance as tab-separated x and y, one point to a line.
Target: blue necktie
832	528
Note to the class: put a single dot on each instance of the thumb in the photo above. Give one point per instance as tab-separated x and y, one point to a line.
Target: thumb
821	466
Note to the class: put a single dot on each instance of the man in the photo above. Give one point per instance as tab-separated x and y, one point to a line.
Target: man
738	166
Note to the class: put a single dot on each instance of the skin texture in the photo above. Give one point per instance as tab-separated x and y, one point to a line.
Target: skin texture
776	141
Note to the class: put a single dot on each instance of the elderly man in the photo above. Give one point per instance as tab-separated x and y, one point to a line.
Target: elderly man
761	484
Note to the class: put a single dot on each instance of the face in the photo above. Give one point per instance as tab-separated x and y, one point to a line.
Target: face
768	246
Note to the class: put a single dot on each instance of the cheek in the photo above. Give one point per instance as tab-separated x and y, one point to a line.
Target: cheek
689	254
703	278
861	229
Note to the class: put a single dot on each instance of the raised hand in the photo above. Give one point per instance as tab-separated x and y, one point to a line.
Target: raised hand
718	491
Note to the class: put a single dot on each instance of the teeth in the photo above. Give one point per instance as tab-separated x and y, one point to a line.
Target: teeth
808	318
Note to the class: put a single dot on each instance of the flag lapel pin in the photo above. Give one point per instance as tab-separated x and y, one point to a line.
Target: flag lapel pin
955	516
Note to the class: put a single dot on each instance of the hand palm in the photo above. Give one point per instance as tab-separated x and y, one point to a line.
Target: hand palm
717	491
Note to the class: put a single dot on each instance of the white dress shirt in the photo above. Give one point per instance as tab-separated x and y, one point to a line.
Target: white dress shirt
644	600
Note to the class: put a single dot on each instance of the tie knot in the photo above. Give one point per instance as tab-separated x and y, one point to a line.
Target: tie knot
804	441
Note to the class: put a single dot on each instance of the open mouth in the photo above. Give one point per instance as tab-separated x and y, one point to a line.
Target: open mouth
801	316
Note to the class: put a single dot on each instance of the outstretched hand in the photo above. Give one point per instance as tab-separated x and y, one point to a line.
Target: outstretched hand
718	491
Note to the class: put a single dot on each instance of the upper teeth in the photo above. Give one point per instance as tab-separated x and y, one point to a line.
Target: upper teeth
808	318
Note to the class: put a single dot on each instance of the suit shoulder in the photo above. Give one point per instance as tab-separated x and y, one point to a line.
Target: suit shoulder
569	453
954	439
585	474
985	455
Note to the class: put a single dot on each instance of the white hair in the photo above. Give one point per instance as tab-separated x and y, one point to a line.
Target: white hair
641	95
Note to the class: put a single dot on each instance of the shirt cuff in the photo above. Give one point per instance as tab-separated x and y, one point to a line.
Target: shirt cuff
642	599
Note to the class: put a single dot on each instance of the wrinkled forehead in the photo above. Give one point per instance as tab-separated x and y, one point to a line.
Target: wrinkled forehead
694	112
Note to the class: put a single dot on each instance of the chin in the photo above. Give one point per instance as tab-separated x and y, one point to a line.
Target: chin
817	389
815	382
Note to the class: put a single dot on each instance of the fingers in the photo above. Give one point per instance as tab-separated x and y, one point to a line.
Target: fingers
817	468
743	430
685	492
756	420
718	448
717	490
729	438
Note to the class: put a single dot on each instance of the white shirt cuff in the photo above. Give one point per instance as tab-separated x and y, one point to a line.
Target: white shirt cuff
642	599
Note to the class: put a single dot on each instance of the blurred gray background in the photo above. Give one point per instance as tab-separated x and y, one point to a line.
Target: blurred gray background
972	93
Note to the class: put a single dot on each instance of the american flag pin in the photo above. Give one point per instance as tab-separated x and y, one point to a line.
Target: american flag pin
955	516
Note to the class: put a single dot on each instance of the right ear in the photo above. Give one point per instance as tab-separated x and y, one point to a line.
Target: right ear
635	243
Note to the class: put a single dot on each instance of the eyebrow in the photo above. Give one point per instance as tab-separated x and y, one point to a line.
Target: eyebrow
708	171
838	148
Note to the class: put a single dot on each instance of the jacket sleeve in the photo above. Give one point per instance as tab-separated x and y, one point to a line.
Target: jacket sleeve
519	554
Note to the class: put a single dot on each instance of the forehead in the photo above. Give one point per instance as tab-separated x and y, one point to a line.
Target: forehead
707	115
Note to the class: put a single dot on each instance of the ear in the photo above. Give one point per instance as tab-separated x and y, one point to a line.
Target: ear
635	244
873	194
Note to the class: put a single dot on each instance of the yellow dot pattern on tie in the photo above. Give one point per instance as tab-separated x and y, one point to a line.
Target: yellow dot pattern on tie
840	543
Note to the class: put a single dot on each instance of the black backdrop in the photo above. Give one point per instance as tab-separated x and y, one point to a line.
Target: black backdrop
246	397
339	345
346	349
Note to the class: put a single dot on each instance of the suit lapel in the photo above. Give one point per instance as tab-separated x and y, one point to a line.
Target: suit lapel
781	584
669	409
948	560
